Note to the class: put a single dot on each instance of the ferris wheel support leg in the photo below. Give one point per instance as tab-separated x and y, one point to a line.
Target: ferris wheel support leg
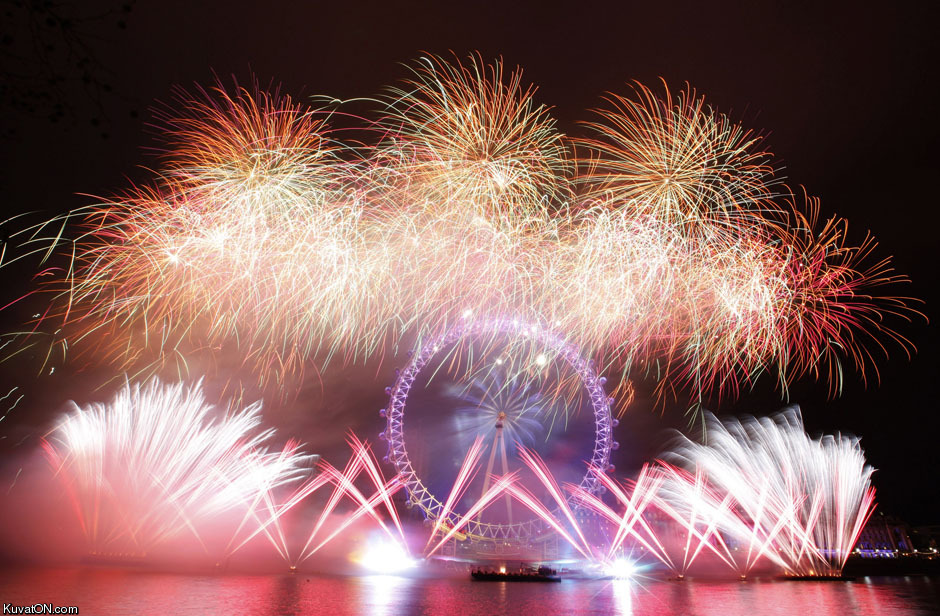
489	467
502	454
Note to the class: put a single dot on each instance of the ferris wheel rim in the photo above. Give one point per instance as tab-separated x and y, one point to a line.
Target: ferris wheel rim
418	494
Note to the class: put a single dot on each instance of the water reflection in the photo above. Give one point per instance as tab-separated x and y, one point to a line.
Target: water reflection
385	593
99	591
623	596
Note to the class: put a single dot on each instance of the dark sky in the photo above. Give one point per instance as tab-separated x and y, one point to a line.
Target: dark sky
846	94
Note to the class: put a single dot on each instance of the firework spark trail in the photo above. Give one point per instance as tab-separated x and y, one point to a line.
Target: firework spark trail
265	497
499	486
634	277
799	502
328	471
688	500
685	492
635	505
535	464
834	309
361	460
746	280
532	503
448	263
364	453
367	506
154	462
272	514
466	473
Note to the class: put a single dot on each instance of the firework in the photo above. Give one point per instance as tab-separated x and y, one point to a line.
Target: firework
807	500
264	514
835	308
158	460
627	273
713	311
251	148
463	136
672	249
248	240
759	489
472	175
675	159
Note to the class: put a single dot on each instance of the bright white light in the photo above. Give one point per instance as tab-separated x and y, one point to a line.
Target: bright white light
541	360
622	569
385	556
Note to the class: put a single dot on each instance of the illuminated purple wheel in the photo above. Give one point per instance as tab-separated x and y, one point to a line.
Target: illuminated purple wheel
419	495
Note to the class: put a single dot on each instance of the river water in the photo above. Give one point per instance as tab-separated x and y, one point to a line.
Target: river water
127	591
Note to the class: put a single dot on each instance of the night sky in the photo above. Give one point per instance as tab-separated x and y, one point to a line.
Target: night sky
846	96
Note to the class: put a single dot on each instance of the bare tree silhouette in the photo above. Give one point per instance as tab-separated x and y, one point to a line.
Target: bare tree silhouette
49	61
